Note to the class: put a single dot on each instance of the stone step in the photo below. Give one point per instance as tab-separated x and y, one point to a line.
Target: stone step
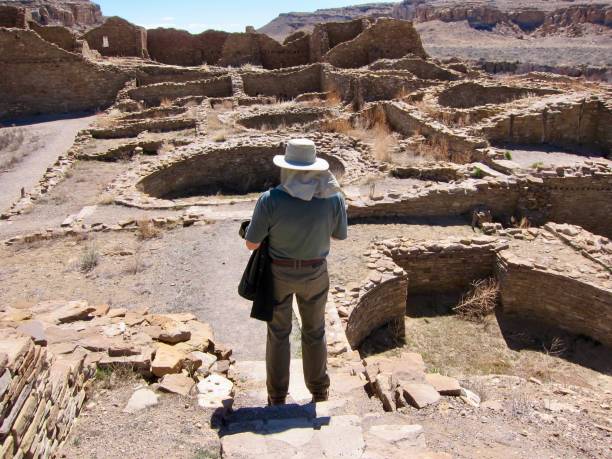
295	437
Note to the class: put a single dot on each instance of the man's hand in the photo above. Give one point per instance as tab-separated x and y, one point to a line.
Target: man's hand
252	245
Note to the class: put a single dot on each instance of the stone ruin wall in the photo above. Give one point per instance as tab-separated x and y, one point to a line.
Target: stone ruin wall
178	47
121	37
446	269
13	17
351	44
283	84
402	268
40	396
58	35
554	298
328	35
579	201
39	77
382	303
563	124
155	93
385	39
50	353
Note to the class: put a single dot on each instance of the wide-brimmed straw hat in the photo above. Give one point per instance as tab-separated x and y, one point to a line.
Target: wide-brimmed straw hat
301	155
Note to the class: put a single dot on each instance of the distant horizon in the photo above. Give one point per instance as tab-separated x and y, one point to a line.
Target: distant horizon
196	16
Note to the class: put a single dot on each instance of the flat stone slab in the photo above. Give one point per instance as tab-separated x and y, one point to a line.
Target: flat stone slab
168	359
445	385
342	437
177	384
140	400
419	395
399	433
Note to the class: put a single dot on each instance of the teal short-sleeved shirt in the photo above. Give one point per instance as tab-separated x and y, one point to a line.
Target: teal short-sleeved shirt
297	229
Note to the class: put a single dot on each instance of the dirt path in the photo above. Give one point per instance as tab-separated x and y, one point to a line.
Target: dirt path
54	138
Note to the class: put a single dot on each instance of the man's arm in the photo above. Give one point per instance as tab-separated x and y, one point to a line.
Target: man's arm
257	230
341	224
252	245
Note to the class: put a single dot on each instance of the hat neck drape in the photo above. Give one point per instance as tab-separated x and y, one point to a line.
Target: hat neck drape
306	185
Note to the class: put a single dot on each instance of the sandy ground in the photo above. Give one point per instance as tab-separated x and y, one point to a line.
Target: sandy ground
54	137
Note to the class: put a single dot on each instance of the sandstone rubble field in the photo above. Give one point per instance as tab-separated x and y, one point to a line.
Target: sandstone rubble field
470	308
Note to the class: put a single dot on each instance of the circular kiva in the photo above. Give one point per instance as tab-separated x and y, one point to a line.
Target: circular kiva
235	171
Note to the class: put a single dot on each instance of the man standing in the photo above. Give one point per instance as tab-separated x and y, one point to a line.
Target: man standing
299	217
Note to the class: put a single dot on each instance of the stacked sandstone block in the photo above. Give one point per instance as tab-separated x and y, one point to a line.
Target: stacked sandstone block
41	396
50	352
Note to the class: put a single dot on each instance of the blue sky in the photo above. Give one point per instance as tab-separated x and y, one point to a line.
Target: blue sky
199	15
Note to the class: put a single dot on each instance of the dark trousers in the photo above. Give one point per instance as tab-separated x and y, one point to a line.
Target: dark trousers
310	284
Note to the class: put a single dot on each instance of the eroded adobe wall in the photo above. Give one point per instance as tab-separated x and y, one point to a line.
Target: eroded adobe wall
61	36
11	16
283	84
118	37
386	38
554	298
38	77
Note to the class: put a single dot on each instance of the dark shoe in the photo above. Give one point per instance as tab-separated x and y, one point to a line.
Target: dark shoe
319	397
277	401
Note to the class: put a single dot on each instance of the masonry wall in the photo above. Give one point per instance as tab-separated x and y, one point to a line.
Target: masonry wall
123	39
40	397
11	16
448	270
565	124
179	47
38	77
470	94
582	201
153	94
501	200
377	307
386	38
408	122
372	87
285	84
61	36
555	299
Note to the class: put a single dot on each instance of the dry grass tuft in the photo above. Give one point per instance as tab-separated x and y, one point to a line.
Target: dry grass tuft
116	375
135	264
89	259
106	199
146	230
480	301
333	98
220	136
165	102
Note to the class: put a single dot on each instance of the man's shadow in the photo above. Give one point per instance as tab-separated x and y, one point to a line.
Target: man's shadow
269	420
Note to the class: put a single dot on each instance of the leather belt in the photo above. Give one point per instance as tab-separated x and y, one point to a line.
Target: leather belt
298	263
